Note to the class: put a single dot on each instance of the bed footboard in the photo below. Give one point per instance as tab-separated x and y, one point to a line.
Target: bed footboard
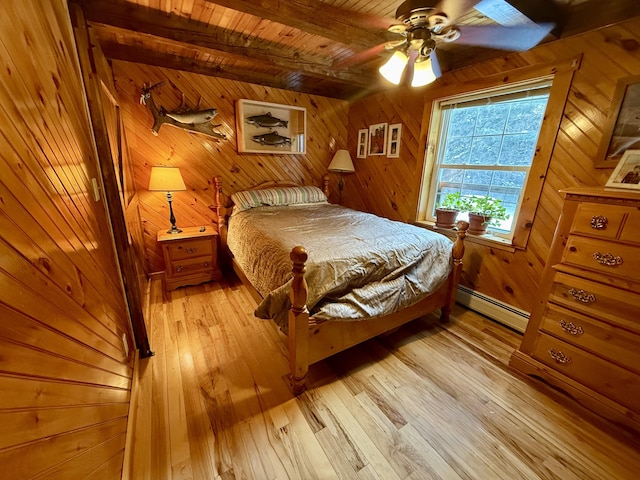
332	337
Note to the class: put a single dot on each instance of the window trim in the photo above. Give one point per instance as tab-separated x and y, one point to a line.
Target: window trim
561	73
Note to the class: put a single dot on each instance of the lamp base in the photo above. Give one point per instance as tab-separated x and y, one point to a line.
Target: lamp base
174	229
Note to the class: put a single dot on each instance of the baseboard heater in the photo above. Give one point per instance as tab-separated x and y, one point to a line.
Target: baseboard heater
499	311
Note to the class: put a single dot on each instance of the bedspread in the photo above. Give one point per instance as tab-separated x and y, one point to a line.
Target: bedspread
359	266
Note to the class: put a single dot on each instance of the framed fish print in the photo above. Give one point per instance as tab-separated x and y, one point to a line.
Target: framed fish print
270	128
378	139
363	134
393	146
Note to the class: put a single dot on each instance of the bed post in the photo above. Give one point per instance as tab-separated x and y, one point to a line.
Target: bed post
220	213
325	184
454	279
298	322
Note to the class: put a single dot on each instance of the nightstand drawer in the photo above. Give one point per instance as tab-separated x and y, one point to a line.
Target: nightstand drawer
189	248
602	256
191	266
600	338
616	383
613	305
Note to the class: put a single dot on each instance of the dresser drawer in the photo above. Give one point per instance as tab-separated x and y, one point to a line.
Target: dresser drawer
602	256
616	383
189	248
613	305
190	266
606	341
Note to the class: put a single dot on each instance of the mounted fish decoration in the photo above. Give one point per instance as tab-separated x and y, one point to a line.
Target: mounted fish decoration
271	138
197	121
267	120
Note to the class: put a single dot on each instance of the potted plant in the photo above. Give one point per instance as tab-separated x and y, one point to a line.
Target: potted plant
448	208
483	211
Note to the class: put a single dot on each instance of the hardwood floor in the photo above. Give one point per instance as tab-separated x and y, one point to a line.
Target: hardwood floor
423	402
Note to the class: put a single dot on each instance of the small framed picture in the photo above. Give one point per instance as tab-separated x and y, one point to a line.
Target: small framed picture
378	139
627	172
393	146
363	135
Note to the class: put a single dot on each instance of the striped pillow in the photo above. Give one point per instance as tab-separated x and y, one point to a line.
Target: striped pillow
277	196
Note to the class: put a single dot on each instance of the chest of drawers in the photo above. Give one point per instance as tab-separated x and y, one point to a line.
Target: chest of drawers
584	332
190	257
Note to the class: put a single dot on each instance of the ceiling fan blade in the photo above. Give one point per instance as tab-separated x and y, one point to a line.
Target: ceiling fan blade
360	57
454	9
517	38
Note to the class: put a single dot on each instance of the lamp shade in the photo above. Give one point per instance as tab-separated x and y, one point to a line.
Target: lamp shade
166	179
341	162
423	73
392	70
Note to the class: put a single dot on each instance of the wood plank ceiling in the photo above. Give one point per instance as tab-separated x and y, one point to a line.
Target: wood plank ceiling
330	48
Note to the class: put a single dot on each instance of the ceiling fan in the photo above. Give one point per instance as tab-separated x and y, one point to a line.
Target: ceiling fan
425	23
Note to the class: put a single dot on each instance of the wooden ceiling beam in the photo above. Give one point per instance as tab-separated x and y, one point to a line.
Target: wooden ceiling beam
147	57
359	31
145	21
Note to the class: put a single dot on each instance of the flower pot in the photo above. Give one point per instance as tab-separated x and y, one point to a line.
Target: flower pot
446	217
478	223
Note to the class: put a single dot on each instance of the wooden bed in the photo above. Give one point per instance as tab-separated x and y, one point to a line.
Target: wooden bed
310	340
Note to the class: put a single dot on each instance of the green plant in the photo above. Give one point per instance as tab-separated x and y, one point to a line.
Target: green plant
452	201
486	206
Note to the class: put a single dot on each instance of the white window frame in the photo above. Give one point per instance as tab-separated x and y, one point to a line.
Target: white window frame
523	89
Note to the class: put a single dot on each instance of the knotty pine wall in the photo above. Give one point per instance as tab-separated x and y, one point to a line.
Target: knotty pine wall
201	157
389	187
65	380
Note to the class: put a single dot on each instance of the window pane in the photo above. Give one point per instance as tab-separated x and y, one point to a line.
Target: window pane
485	150
518	149
462	122
457	151
526	116
491	119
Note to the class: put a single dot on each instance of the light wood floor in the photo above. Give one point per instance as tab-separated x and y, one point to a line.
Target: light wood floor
424	402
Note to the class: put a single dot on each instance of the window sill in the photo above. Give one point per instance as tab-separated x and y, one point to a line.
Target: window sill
487	239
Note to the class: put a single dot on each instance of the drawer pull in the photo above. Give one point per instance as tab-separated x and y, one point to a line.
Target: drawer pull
582	295
599	222
190	250
206	264
571	328
607	259
559	357
179	268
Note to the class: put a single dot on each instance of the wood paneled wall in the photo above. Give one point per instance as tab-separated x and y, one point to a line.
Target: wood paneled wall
202	157
65	379
389	187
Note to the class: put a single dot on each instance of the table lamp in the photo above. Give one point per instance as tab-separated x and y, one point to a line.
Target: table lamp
341	163
167	179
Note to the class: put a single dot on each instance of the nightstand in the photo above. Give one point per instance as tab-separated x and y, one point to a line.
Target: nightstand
190	257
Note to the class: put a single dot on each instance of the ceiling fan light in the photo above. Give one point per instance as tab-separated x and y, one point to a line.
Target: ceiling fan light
392	70
423	73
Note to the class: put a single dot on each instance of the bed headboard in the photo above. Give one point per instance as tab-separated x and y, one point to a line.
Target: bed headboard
223	204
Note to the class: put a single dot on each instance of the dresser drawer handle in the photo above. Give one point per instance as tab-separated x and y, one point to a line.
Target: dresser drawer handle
571	328
559	357
191	250
206	264
599	222
607	259
582	295
179	268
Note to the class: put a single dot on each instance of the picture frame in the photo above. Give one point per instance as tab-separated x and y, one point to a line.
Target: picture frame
363	135
393	146
378	139
262	126
627	173
622	127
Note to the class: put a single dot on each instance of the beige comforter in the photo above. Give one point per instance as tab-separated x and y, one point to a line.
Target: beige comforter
360	265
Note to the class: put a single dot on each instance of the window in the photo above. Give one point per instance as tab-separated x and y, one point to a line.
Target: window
484	145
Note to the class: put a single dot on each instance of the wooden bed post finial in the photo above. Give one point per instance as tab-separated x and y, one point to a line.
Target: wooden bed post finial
298	333
325	184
